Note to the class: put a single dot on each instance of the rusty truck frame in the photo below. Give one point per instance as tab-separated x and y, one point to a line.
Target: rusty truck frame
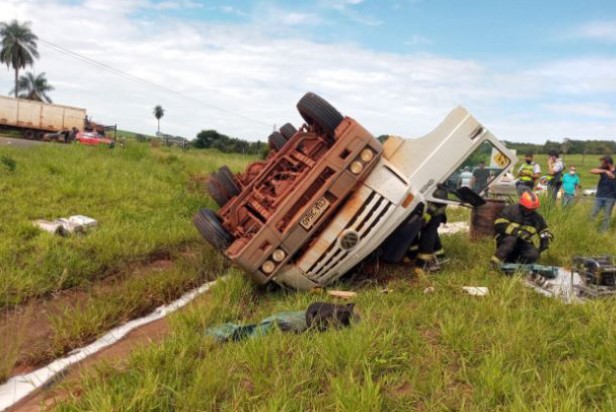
348	198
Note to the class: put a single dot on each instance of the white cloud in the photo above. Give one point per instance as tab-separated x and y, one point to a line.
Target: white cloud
598	30
261	73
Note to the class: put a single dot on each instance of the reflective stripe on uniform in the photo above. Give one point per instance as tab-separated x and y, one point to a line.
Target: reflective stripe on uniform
426	257
511	228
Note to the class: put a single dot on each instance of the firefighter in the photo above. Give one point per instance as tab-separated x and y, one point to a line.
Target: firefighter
518	228
427	250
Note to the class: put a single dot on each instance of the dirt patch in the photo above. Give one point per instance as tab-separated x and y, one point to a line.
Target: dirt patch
48	398
29	331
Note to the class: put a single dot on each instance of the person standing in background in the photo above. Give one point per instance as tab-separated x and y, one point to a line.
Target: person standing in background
480	178
571	186
606	191
528	174
465	177
555	174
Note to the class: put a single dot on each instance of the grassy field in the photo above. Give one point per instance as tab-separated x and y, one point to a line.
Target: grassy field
143	199
410	350
510	350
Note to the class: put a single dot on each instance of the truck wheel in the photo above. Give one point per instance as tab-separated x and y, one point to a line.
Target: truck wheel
210	228
29	134
216	192
318	112
227	180
276	140
288	130
222	186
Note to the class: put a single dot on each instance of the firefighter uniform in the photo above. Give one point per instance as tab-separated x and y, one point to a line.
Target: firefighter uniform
521	232
427	249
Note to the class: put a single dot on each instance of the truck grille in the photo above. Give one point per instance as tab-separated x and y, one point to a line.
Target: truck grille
373	209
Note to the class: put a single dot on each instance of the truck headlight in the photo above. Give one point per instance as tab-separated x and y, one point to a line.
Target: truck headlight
356	167
278	255
268	267
366	155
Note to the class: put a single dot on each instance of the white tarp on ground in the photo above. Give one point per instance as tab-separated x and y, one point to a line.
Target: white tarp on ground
18	387
451	228
562	287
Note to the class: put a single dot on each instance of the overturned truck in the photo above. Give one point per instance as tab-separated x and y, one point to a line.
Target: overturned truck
330	194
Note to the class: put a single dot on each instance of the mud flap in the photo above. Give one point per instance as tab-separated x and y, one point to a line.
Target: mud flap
398	243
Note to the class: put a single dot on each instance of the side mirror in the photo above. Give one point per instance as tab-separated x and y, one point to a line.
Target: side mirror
467	195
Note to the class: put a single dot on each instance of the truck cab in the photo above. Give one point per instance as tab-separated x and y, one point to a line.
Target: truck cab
378	199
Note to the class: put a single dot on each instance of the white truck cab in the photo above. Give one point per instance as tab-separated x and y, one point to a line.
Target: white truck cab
392	198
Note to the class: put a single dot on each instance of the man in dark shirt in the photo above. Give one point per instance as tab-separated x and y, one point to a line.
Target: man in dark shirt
606	191
518	229
480	178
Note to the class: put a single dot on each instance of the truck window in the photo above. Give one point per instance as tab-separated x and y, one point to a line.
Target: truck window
478	169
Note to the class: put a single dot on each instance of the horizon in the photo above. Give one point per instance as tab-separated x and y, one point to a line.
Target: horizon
397	67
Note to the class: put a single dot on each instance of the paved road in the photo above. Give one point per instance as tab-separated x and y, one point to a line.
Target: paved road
12	142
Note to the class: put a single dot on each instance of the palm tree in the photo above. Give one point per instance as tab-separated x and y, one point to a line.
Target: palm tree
158	113
18	47
34	88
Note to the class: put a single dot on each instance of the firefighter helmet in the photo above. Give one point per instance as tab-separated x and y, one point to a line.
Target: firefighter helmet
529	200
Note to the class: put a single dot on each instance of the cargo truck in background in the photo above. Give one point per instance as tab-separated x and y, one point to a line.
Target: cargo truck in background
330	194
45	121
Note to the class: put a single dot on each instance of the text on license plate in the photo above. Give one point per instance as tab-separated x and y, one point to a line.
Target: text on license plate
313	214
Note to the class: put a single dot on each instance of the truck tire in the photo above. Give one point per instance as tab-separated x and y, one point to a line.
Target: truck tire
288	130
209	226
318	112
227	180
277	140
29	134
216	193
222	186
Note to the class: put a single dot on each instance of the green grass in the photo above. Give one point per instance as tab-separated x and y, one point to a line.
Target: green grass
143	199
510	350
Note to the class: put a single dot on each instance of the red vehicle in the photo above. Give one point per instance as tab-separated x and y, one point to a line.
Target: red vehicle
93	138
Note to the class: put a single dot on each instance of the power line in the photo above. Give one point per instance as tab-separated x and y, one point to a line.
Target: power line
138	79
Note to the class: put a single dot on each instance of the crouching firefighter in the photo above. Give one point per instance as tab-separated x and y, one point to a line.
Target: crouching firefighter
427	248
518	229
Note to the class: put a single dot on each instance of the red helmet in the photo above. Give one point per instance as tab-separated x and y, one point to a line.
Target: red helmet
529	200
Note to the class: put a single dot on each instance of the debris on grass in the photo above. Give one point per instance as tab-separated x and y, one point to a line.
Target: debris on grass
320	316
476	290
66	226
342	294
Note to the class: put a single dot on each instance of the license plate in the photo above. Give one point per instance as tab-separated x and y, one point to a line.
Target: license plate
314	213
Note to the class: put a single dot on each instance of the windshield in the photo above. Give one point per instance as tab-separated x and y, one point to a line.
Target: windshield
477	170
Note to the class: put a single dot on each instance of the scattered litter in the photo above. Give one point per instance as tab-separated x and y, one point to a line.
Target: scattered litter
549	272
562	286
20	386
66	226
476	290
319	315
342	294
455	227
429	289
385	291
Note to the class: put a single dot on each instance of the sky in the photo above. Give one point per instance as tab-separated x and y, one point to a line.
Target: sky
528	70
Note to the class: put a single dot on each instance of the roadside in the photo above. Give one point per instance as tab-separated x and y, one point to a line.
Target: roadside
15	142
46	329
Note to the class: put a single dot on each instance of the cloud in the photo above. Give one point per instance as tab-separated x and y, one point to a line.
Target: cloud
599	30
241	79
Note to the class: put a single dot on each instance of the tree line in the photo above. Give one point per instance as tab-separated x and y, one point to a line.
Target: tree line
211	139
567	146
